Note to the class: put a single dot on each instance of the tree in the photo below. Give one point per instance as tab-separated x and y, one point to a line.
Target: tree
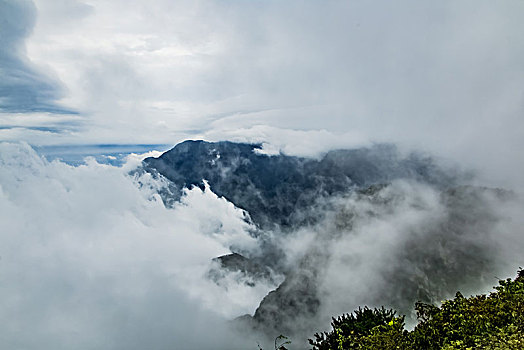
494	321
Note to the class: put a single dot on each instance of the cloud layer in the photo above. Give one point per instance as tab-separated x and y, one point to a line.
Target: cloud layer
91	261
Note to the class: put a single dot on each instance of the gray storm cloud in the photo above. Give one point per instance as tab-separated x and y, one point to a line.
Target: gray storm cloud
23	87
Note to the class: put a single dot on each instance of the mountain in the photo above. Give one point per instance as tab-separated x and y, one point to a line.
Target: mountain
383	227
279	190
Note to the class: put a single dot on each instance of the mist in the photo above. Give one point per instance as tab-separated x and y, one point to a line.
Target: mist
393	246
92	260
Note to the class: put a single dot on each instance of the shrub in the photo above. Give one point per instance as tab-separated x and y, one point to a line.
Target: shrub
494	321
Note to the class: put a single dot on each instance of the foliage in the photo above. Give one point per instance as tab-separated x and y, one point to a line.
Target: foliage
363	329
494	321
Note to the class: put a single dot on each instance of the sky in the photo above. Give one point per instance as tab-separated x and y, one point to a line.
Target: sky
305	76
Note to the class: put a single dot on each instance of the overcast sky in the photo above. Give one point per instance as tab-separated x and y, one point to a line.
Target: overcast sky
444	76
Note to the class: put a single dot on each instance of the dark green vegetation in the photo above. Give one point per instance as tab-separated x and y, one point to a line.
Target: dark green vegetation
494	321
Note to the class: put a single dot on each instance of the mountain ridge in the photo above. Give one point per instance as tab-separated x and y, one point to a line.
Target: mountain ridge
275	189
441	227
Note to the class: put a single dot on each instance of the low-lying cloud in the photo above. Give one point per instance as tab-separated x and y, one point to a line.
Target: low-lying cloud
91	261
393	245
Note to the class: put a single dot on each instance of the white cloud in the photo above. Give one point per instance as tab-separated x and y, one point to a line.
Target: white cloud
89	260
442	76
303	143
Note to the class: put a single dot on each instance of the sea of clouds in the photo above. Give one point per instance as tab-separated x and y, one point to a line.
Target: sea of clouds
90	259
